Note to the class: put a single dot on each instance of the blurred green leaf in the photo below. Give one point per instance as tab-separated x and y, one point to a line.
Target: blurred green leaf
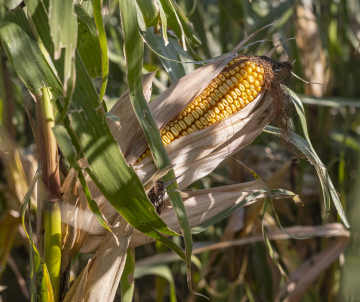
336	102
178	23
88	43
306	148
63	28
25	55
9	226
127	287
103	46
174	69
149	12
41	281
350	142
158	270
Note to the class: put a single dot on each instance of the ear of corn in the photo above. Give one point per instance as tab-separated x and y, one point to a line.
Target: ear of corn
235	87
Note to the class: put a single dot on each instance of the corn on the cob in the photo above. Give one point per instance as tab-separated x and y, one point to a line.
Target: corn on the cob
235	87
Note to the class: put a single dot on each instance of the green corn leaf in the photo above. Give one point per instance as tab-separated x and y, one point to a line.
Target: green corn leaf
305	146
127	287
40	283
88	39
158	270
103	46
25	55
149	12
170	51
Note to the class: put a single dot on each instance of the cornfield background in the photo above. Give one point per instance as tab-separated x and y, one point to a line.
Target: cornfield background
231	261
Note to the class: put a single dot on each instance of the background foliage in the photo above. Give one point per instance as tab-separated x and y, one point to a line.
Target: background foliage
325	50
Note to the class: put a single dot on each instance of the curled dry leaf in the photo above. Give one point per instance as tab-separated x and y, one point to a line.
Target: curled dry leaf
199	206
302	278
99	279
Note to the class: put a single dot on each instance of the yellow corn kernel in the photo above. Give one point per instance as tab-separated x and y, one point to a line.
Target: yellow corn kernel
220	106
174	131
226	74
169	135
231	96
241	87
205	104
234	80
191	117
199	125
195	114
221	78
213	85
243	73
225	113
224	103
207	117
228	109
222	90
238	77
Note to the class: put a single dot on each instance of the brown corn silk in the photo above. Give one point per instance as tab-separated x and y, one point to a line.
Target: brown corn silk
240	82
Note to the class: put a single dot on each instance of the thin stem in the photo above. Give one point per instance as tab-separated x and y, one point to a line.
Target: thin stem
51	194
52	223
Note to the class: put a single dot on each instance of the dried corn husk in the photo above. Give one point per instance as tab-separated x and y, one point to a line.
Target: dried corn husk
199	206
100	278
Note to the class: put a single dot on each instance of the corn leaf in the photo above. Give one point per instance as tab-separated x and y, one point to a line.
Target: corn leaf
328	189
178	23
305	146
88	39
267	241
63	30
170	51
41	281
63	27
149	12
61	133
25	55
335	102
158	270
127	281
103	46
